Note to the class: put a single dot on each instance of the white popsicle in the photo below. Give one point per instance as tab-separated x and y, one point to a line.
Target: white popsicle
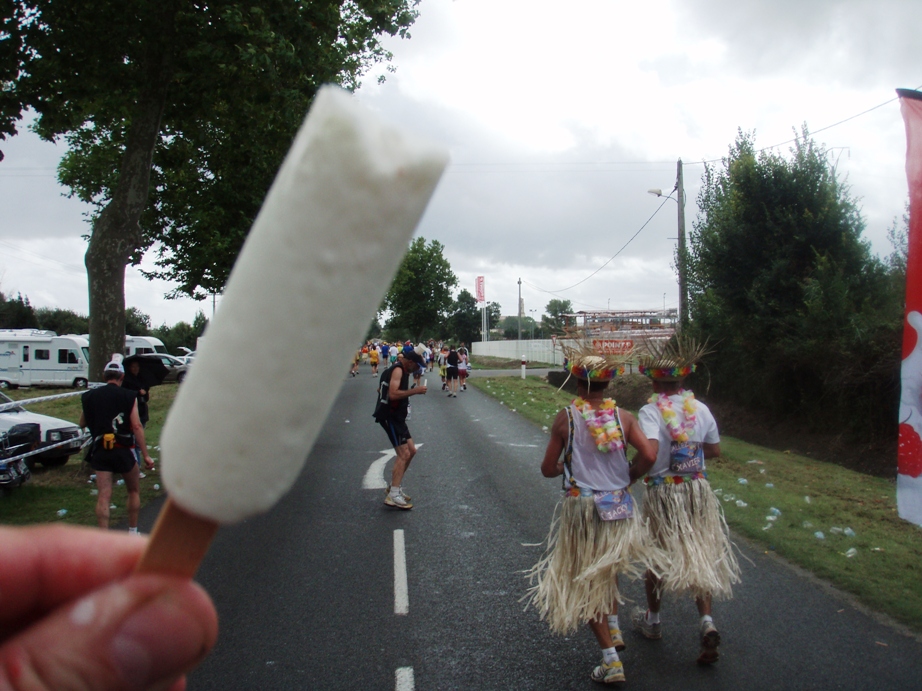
305	287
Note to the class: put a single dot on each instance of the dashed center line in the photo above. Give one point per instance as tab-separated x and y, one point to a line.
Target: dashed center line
401	591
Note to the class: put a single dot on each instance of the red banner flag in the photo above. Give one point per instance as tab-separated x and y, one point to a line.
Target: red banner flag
909	461
480	291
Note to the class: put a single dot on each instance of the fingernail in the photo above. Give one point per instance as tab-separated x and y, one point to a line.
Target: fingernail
160	640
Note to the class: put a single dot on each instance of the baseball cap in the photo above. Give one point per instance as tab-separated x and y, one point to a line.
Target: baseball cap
114	366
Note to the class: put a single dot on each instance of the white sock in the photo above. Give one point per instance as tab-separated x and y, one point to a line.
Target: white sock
395	490
652	617
707	619
609	655
133	530
613	621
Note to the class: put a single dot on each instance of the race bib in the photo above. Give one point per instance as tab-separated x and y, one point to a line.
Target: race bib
614	506
686	457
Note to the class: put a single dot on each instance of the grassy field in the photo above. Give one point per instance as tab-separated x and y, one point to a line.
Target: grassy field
781	501
67	494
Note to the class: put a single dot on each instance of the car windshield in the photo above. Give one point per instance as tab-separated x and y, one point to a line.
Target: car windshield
6	399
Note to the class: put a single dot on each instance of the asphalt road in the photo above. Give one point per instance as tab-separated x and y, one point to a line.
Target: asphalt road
307	595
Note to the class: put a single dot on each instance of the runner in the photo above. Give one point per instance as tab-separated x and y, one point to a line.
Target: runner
598	534
684	516
391	414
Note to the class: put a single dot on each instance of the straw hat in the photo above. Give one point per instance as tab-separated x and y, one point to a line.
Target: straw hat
671	359
584	362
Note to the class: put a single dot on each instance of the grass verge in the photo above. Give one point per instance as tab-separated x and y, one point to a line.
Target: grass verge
780	501
66	494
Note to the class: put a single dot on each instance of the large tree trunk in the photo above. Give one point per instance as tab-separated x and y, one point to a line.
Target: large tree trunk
117	231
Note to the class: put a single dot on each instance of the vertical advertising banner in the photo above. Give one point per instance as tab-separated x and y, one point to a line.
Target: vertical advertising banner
909	460
479	288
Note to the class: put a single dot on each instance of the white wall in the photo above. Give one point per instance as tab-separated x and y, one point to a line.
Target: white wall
538	350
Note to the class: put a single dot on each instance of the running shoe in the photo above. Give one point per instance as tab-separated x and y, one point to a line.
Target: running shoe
611	673
398	502
651	631
402	493
617	639
710	639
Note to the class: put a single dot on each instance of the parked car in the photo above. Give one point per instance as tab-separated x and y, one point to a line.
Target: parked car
13	443
53	431
176	368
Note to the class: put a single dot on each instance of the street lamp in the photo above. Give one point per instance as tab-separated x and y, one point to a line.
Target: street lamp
682	255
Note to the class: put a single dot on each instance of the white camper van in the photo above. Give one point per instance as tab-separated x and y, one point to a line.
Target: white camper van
139	345
30	357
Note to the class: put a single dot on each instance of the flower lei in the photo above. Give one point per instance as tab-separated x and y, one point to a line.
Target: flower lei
603	423
678	431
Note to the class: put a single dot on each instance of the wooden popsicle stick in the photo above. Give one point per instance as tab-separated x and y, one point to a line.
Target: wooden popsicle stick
178	542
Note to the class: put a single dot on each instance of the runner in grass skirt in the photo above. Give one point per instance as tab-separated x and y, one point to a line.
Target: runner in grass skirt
597	534
683	515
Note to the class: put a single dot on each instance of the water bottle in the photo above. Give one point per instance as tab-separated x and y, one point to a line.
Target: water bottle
849	532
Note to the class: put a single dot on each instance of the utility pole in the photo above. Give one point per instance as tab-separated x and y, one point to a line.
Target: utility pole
520	309
682	256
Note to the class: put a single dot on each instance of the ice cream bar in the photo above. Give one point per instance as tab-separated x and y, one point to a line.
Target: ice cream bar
308	281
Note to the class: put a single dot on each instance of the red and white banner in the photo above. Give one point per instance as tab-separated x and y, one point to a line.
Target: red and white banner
612	347
479	289
909	461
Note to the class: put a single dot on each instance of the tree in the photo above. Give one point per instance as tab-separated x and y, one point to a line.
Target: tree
62	321
780	278
182	334
420	296
464	319
17	313
494	314
136	323
197	100
554	319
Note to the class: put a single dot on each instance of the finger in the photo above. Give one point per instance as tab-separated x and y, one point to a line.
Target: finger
44	567
145	632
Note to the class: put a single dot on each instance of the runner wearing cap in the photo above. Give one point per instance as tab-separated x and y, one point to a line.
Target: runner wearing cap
111	414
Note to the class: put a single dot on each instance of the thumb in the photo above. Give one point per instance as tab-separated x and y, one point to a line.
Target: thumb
142	633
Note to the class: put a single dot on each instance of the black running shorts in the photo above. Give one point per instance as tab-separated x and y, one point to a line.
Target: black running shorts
118	460
452	373
397	432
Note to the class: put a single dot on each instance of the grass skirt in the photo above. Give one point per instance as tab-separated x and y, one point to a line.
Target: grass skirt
686	522
576	579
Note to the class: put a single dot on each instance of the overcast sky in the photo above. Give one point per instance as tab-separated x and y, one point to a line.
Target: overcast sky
560	117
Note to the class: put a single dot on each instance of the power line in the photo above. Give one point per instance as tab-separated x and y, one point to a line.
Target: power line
562	290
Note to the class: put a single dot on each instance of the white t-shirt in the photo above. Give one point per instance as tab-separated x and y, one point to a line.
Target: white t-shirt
654	427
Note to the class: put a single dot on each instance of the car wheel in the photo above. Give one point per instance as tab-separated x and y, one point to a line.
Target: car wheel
4	385
80	383
56	462
180	377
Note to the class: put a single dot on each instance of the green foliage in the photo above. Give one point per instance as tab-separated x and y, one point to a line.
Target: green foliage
136	322
494	313
182	334
555	309
62	321
464	319
804	318
17	313
420	296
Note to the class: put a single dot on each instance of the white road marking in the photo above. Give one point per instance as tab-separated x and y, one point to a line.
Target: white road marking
404	679
401	592
374	476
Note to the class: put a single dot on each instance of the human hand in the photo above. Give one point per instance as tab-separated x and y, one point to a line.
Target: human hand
74	615
421	389
148	462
